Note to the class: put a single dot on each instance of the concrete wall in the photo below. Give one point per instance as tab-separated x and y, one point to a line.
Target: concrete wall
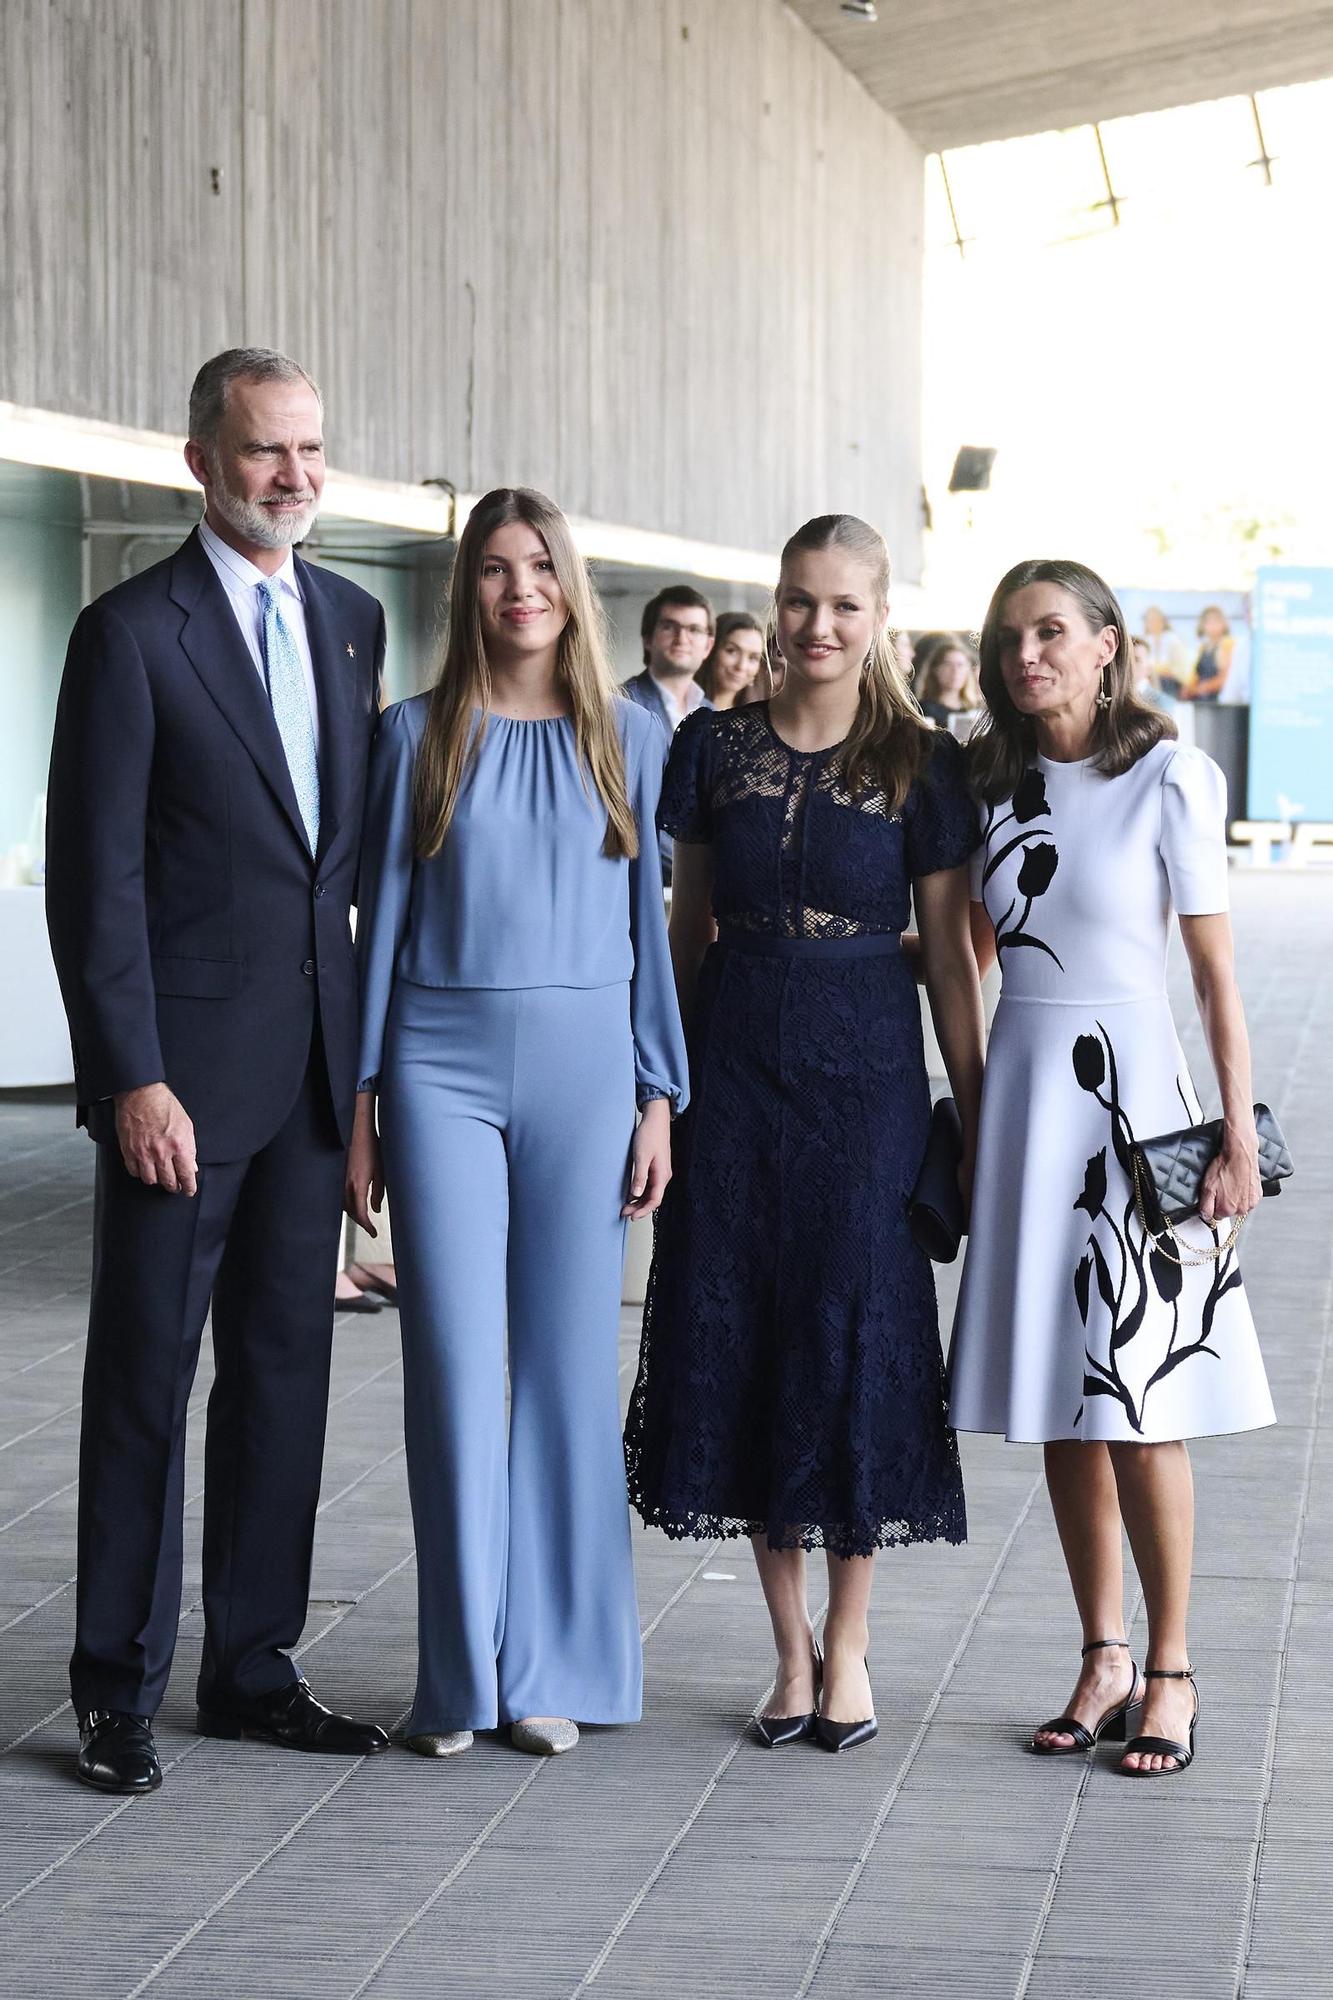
660	257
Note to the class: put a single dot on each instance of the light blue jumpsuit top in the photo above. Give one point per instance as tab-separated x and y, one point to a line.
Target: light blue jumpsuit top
520	894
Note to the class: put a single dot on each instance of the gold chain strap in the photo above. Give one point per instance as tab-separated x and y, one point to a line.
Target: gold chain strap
1212	1256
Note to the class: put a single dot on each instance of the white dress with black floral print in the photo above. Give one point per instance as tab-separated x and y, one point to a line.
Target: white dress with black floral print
1071	1323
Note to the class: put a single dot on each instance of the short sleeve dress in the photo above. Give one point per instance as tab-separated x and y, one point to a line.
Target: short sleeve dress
791	1380
1070	1323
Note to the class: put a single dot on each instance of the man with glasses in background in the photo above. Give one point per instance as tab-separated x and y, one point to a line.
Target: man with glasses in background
677	632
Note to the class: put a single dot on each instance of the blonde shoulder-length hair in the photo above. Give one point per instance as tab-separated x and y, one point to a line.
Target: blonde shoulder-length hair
890	740
452	737
926	682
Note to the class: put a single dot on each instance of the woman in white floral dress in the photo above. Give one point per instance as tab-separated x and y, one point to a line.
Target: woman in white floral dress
1074	1328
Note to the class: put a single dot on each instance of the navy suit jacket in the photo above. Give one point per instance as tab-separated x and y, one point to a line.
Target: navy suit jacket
195	936
643	689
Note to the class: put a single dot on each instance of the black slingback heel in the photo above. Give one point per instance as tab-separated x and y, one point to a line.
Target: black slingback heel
1112	1727
1162	1746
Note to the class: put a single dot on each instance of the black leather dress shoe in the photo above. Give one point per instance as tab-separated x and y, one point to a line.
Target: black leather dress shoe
291	1716
117	1753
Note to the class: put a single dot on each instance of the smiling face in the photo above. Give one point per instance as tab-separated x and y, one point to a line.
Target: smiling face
828	614
738	661
678	644
263	472
1051	658
522	608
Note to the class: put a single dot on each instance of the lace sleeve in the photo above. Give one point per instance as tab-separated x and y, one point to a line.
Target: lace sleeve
941	824
686	807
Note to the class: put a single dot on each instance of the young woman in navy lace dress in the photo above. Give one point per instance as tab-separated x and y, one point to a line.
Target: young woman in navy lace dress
790	1386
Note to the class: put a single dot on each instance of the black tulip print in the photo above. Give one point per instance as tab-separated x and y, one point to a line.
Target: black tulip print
1142	1271
1036	869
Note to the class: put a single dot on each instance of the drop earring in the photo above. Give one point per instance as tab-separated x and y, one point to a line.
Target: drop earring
1103	692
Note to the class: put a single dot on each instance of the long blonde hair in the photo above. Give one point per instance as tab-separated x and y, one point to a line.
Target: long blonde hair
450	741
890	739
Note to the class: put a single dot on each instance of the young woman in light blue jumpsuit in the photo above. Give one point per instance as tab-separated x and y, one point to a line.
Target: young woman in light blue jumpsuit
517	997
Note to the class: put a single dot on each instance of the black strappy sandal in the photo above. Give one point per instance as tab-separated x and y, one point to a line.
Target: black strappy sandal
1112	1726
1162	1746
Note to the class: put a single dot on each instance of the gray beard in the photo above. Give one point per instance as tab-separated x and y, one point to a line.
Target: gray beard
259	524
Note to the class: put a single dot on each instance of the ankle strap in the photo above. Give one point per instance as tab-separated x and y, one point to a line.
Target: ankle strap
1168	1673
1095	1645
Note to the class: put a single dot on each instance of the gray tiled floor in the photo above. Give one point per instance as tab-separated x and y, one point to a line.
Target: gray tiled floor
674	1859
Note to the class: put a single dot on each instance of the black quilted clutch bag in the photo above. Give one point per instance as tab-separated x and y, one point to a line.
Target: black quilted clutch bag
935	1211
1168	1172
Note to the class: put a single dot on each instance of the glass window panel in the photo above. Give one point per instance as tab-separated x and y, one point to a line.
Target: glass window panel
1298	124
1165	159
1040	189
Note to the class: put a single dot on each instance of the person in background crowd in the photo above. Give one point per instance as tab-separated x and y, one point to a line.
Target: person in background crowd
1144	686
946	681
677	631
735	663
1215	656
207	777
1077	1328
790	1383
517	1002
1167	654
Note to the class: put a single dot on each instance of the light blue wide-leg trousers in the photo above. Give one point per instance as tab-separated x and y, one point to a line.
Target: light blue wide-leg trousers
507	1119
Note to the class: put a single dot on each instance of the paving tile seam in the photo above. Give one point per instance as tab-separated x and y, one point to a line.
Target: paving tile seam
41	1604
155	1972
1029	1964
1288	1618
47	1214
11	1374
502	1813
192	1410
645	1888
44	1425
858	1867
53	1867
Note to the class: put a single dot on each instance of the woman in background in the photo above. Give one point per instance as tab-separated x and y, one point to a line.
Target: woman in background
516	999
735	661
1216	651
946	681
790	1383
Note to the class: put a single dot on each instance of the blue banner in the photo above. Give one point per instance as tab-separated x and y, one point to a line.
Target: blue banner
1291	696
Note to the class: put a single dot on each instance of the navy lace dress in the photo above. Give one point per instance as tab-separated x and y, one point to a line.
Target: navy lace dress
790	1381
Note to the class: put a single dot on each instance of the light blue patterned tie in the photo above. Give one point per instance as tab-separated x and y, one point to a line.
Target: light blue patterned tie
291	710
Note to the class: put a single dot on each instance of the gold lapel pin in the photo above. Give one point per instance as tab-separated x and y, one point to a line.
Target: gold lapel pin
351	650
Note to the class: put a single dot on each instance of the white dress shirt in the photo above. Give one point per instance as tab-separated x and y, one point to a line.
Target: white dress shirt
240	579
691	694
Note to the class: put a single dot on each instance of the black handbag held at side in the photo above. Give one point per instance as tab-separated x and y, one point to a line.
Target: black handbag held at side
1168	1178
935	1210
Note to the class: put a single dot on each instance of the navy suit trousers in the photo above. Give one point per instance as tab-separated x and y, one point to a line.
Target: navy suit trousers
260	1241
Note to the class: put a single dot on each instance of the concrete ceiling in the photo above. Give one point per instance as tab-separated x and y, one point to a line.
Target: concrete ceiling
956	72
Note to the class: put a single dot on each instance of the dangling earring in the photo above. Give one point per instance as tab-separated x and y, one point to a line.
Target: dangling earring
1104	692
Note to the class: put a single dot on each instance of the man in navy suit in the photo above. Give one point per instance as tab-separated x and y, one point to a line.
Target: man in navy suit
204	820
677	631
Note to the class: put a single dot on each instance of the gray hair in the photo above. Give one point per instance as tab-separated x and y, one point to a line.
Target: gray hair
208	397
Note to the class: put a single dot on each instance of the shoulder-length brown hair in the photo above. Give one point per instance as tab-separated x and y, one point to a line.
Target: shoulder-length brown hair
890	739
1004	742
452	739
727	623
925	681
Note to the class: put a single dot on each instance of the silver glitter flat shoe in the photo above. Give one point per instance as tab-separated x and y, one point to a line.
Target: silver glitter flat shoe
544	1736
447	1743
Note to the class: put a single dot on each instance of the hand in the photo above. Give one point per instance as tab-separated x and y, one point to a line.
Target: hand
1231	1185
156	1138
363	1183
650	1159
